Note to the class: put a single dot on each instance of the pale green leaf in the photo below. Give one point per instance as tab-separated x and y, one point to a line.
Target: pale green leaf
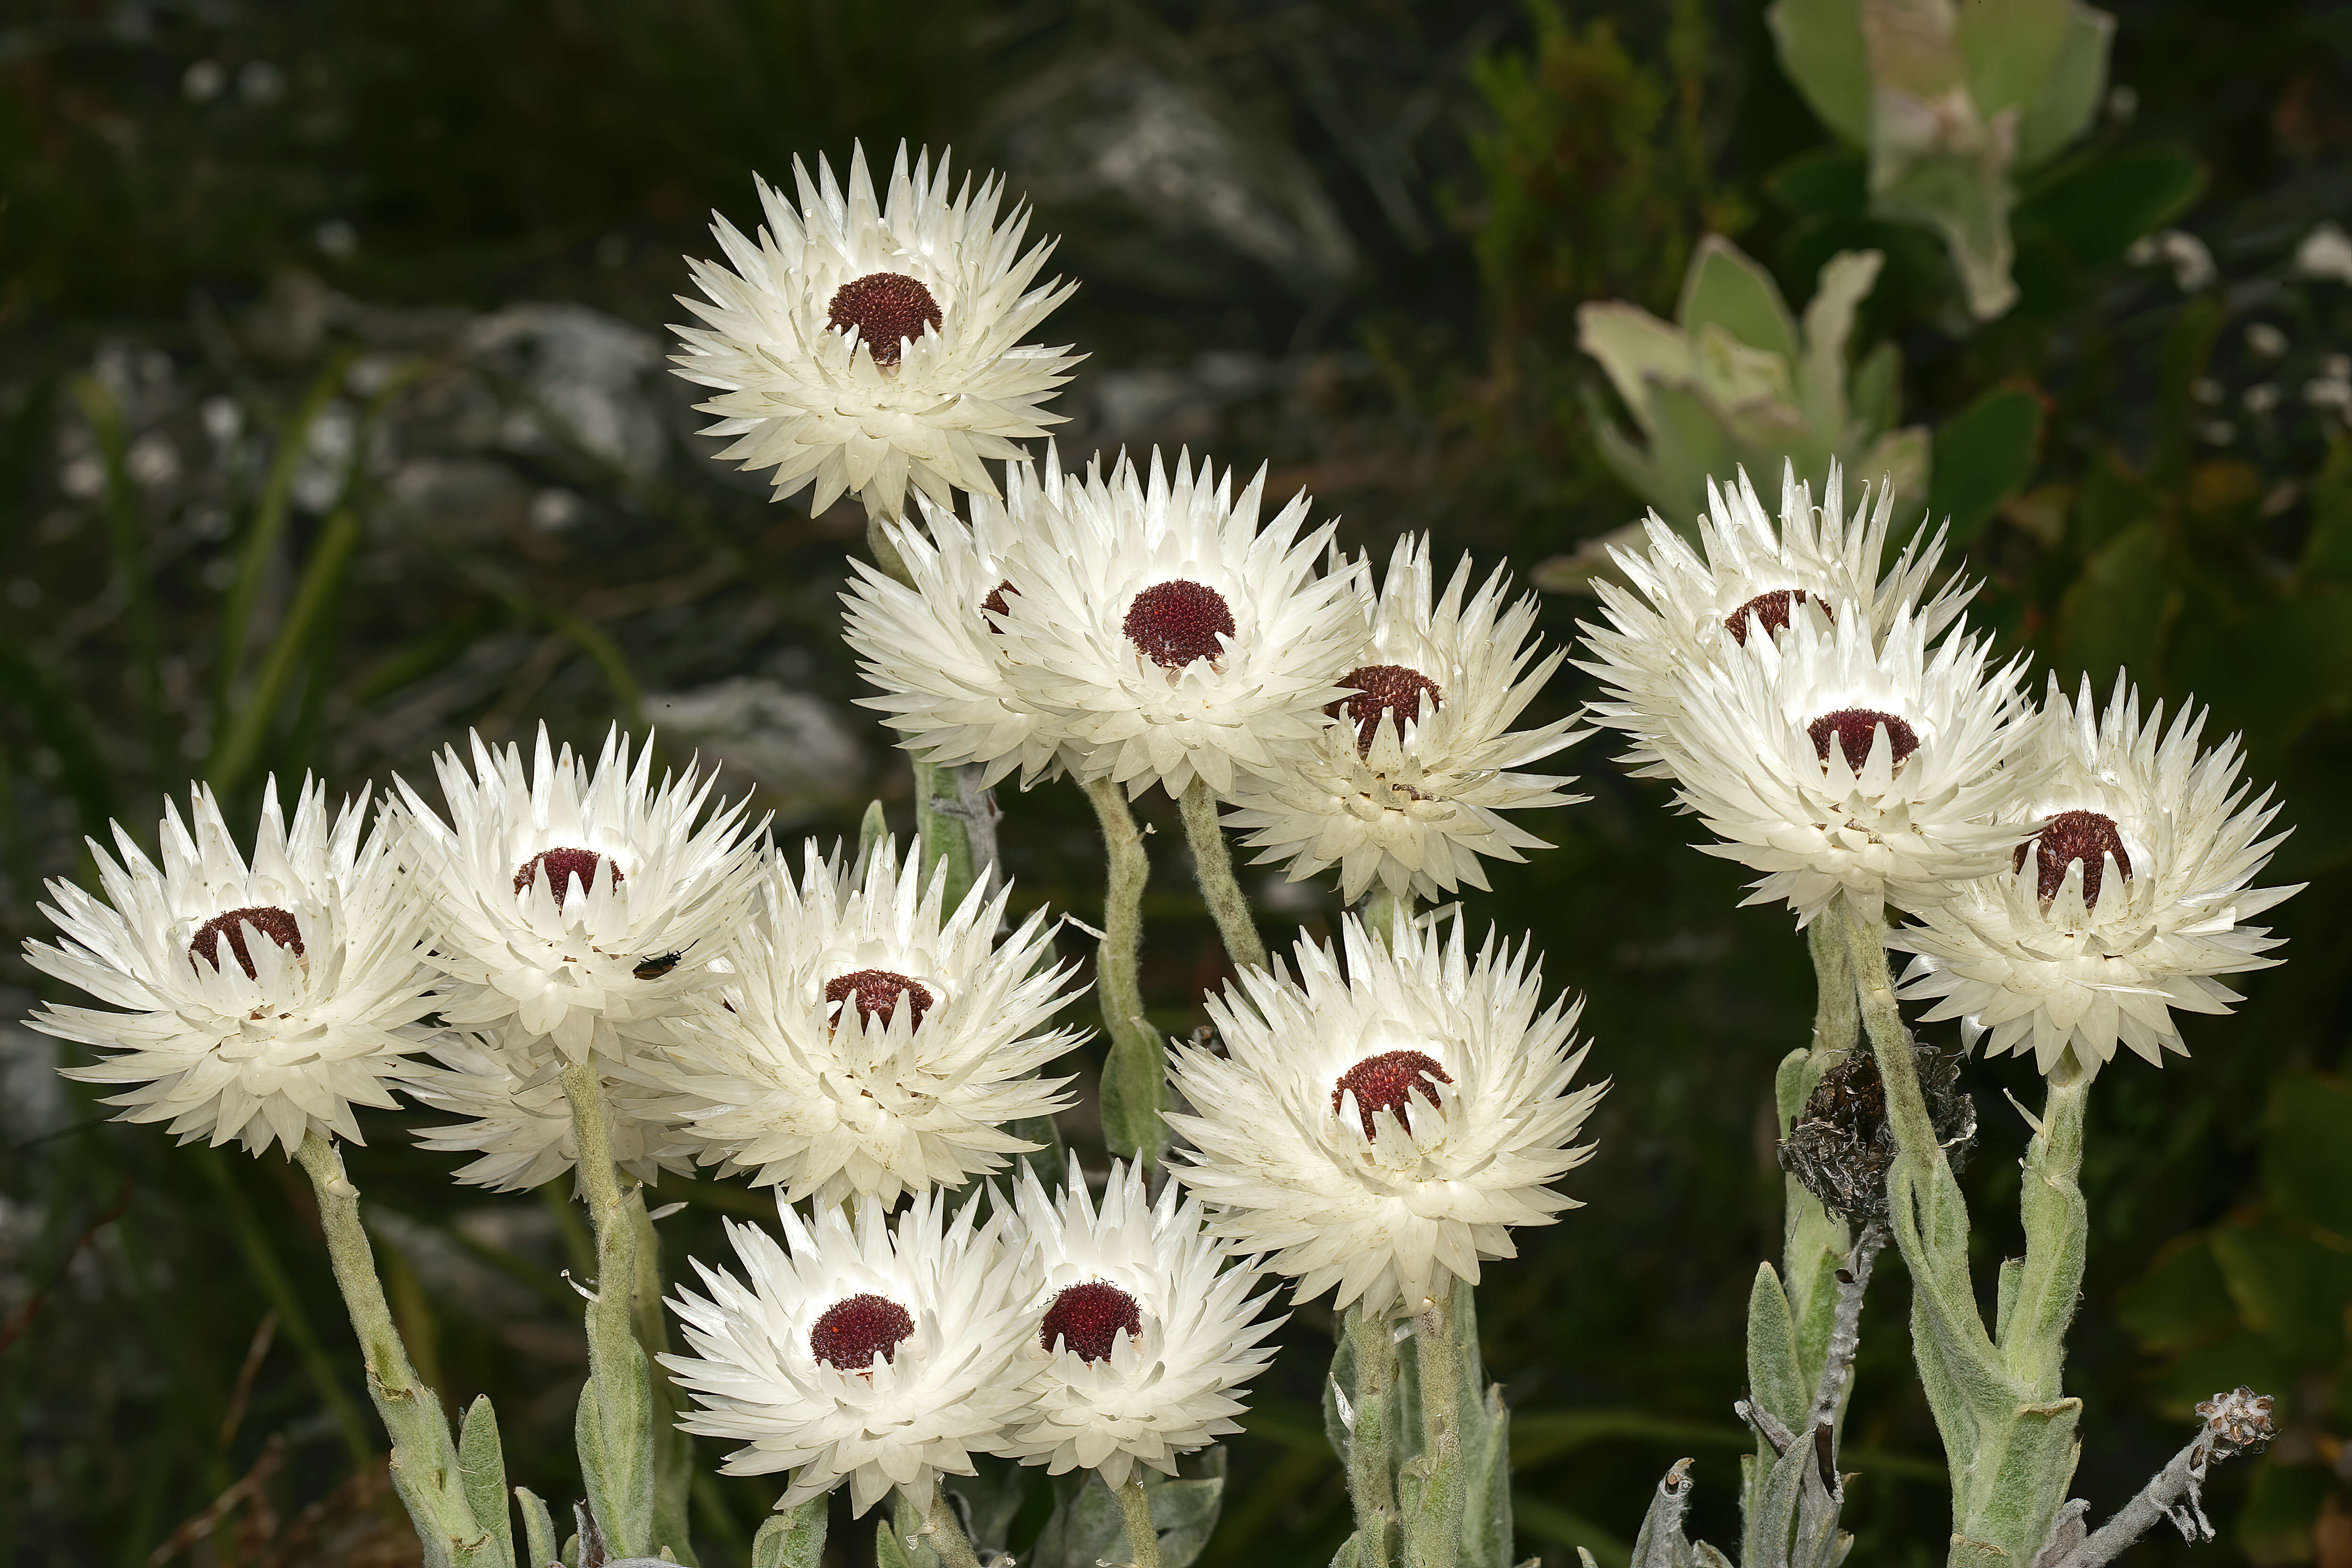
1822	49
1727	288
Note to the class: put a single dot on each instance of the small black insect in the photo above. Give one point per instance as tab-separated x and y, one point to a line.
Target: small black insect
655	968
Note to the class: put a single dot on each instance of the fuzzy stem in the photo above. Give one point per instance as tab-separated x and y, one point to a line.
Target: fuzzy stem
1371	1478
2057	1233
1213	863
2173	1492
1381	909
673	1450
1813	1238
1142	1538
1134	1084
1434	1528
424	1466
618	1401
944	1533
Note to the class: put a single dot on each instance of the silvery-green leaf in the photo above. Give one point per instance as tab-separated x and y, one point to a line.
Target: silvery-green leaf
1777	1378
1845	280
1635	351
1822	49
538	1528
482	1463
1727	288
2070	94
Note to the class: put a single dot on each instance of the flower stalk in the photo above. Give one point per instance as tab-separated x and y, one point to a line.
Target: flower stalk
1142	1536
426	1469
615	1423
1213	863
1432	1493
1134	1084
1359	1405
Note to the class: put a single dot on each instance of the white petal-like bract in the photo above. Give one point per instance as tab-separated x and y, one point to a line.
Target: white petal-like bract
1140	1331
582	905
509	1088
2129	892
1376	1125
880	1353
922	390
872	1042
1409	779
259	999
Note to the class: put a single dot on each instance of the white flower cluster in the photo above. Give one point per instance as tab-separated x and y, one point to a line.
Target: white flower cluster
2073	875
886	1352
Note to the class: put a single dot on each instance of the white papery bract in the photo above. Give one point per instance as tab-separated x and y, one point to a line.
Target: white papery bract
891	1085
260	1031
1280	1146
812	398
939	1394
1408	787
1781	750
1683	602
1167	557
2049	973
524	943
509	1090
1102	1397
933	649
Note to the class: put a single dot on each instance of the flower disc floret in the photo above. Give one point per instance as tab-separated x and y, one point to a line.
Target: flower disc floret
1372	1197
867	345
1409	778
250	1000
1141	1332
872	1042
873	1350
2128	892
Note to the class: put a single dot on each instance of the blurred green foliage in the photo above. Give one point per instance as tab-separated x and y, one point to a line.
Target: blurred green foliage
332	422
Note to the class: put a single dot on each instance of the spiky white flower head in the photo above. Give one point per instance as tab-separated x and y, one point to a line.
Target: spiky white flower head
935	650
873	1042
1375	1124
1842	763
262	999
1166	635
1687	607
1409	779
508	1087
1138	1342
864	345
580	904
881	1353
2128	894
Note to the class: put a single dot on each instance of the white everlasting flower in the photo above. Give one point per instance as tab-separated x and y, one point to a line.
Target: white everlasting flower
1688	608
1138	1343
2128	894
880	1354
864	345
1409	778
509	1088
935	650
1838	768
873	1043
1373	1126
1166	635
580	904
260	1000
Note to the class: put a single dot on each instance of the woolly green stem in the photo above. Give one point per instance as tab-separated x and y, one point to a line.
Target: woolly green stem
1213	863
425	1468
616	1413
1433	1526
1371	1463
1142	1538
1134	1083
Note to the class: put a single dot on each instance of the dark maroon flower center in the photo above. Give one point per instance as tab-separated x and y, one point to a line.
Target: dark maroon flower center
852	1331
1386	1082
997	606
1773	609
2069	836
268	920
1176	622
876	993
887	308
1384	689
564	869
1088	1316
1854	729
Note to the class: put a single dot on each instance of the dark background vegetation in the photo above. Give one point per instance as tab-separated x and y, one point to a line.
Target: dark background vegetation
333	421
